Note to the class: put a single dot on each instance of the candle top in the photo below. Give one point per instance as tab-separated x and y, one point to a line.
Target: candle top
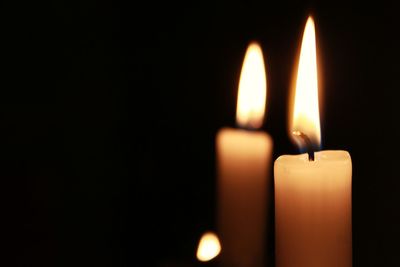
321	158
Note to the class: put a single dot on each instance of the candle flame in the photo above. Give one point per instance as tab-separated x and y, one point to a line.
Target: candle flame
209	247
252	89
305	112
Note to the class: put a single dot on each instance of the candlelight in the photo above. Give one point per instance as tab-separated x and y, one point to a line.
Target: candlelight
209	247
305	112
252	89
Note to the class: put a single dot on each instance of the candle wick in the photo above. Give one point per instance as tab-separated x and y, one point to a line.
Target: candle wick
304	138
246	127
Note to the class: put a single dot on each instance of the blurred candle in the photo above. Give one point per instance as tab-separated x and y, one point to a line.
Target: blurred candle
243	157
312	191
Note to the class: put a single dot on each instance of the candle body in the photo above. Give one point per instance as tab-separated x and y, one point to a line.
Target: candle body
243	180
313	210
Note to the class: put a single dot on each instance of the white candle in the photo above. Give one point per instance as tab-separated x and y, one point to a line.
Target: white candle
243	165
312	197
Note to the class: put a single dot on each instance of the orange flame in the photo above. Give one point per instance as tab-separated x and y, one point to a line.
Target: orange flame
252	89
306	108
209	247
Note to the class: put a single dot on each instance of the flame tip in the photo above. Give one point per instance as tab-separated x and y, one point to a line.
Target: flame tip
254	43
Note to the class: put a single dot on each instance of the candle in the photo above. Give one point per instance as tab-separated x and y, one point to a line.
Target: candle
243	157
312	190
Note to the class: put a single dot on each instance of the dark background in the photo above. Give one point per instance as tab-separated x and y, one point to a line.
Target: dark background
109	110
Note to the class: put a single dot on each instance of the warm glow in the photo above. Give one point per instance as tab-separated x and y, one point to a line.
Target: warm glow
209	247
305	112
252	89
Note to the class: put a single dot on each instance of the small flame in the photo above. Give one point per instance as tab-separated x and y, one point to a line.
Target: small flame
252	89
305	112
209	247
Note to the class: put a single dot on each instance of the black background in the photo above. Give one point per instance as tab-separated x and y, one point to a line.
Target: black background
109	110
